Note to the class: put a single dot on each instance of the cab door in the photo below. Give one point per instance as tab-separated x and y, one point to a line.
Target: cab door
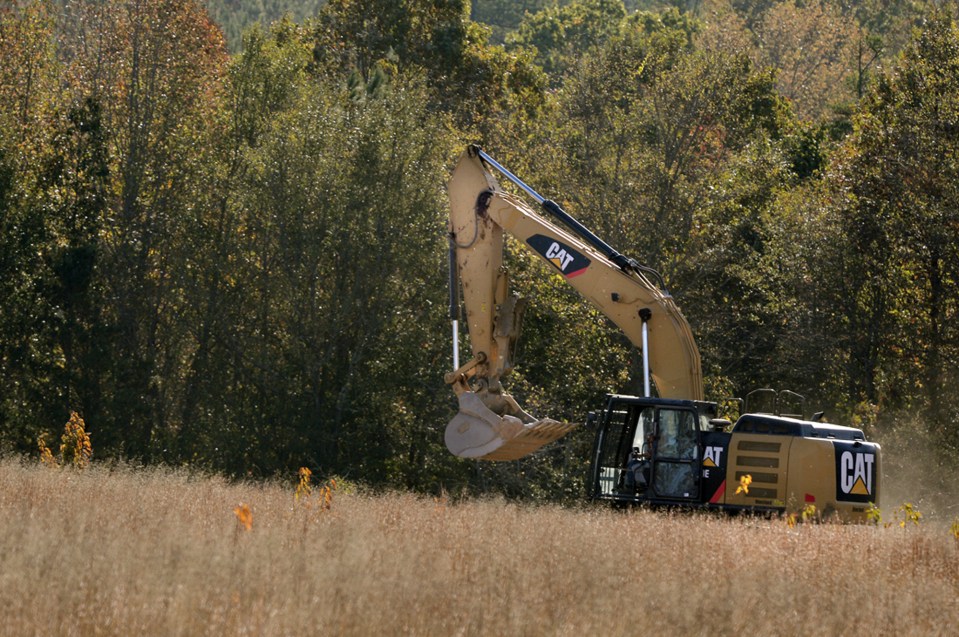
676	451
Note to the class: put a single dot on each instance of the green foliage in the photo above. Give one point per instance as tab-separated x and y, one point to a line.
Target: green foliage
235	17
29	359
560	34
898	233
332	210
665	157
239	262
503	16
348	209
468	77
814	47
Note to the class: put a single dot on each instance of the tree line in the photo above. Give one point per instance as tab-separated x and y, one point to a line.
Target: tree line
237	261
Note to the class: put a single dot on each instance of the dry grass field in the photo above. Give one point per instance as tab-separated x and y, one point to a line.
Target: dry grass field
157	552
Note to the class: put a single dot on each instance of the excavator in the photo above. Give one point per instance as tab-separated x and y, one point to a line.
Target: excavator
668	447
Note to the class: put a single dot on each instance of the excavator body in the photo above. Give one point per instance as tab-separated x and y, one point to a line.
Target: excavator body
677	453
669	448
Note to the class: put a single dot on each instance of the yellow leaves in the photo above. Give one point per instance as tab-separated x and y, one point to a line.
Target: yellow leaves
905	513
75	446
326	496
744	482
244	516
910	515
808	513
303	497
46	456
304	489
954	529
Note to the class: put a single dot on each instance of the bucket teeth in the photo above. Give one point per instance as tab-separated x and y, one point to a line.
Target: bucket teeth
533	436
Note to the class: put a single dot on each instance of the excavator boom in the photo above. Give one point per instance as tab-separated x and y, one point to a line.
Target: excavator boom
490	424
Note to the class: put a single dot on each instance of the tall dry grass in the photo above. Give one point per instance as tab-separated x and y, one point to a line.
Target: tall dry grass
158	552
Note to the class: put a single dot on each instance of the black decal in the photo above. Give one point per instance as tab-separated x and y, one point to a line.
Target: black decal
855	472
566	259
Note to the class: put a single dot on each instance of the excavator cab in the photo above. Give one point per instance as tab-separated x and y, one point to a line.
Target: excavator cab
651	449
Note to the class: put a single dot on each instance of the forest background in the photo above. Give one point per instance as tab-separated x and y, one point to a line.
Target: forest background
223	237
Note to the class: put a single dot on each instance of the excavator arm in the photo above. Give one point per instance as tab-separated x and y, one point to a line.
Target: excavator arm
490	425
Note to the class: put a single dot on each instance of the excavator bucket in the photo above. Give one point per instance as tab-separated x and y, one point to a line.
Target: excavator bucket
479	433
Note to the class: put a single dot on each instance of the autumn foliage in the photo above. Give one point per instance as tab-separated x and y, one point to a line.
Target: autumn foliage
233	255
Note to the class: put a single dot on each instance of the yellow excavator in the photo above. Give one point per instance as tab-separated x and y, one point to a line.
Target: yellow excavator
667	447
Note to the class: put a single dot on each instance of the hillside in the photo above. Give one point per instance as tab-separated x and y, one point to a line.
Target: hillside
236	16
128	551
501	16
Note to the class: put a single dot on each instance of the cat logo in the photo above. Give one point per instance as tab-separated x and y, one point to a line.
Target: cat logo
856	472
712	456
567	260
558	256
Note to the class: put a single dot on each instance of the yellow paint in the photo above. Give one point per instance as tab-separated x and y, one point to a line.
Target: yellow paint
859	488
